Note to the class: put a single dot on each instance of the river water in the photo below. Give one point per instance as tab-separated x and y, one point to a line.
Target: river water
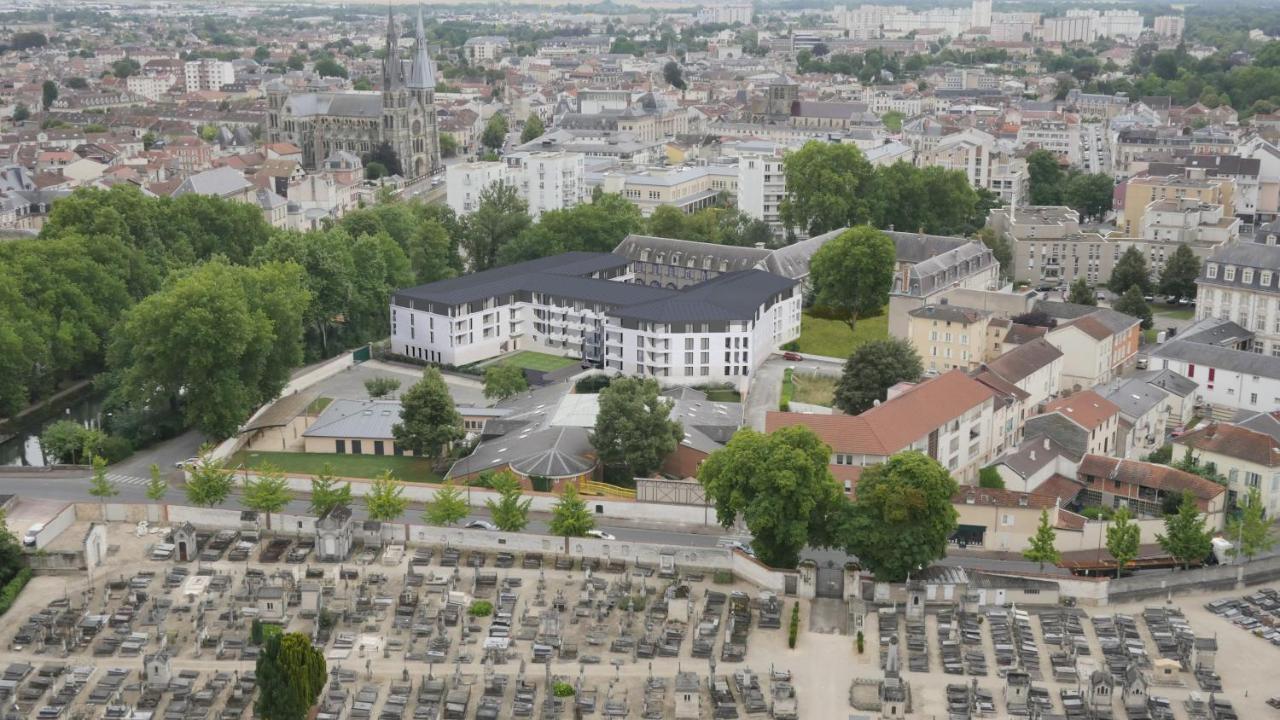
20	440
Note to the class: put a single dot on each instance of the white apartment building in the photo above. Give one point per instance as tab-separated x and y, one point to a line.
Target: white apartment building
688	188
151	87
548	180
1170	26
1125	24
464	182
208	74
1188	220
1056	136
968	151
727	14
485	48
762	186
1014	26
1240	282
583	305
1069	29
969	79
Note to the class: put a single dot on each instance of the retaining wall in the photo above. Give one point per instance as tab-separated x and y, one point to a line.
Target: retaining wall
1206	579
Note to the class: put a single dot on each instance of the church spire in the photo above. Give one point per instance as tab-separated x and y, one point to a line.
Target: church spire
422	73
392	70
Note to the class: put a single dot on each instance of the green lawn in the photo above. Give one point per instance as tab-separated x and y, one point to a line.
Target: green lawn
1173	312
318	405
832	338
356	466
814	389
543	362
724	395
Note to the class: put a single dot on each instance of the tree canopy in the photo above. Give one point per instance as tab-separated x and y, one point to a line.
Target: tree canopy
429	421
502	380
872	369
510	510
1130	271
634	426
327	494
447	507
533	129
290	673
1185	537
570	516
267	493
1123	537
1041	548
208	483
853	272
902	517
780	485
498	220
828	187
1080	292
1180	272
1132	303
385	499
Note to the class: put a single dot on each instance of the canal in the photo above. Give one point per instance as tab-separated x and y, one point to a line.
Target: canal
20	439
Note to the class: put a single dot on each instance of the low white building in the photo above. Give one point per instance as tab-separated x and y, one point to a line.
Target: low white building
464	183
547	180
208	74
762	185
1228	379
584	305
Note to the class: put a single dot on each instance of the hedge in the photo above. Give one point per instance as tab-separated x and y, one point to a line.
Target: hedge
795	625
9	594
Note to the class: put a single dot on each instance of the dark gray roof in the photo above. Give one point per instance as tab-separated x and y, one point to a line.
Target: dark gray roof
1064	310
1032	455
1135	397
708	425
1241	361
732	296
1216	331
371	419
1243	255
1264	422
1015	365
512	278
793	260
633	247
949	313
551	452
1073	439
1169	381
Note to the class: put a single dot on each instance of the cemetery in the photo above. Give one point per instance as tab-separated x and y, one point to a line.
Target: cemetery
170	624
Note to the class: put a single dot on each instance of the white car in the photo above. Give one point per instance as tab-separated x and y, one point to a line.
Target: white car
600	535
481	525
189	462
29	540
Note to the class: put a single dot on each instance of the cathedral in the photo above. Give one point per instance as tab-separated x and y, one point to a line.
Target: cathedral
403	114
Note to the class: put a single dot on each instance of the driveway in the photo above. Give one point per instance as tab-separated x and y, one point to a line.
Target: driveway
765	391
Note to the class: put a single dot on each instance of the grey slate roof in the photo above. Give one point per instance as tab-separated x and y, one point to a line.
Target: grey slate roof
1215	331
1032	455
708	425
372	419
732	296
1020	362
218	182
1241	361
633	246
1169	381
1243	255
1135	397
949	313
510	278
1073	439
354	104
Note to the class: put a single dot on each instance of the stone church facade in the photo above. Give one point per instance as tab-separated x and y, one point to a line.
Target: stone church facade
402	114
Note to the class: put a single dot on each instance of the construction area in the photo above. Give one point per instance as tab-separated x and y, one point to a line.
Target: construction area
168	626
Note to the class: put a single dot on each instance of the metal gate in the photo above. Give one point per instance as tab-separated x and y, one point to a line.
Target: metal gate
830	581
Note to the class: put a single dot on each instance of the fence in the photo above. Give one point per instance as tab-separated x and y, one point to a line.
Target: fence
676	492
1206	579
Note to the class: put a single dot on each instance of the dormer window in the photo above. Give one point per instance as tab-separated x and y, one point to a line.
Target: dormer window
1229	274
1212	271
1266	278
1247	276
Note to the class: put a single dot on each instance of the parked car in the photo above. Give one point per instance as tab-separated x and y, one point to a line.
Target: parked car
480	525
600	535
189	462
792	356
29	540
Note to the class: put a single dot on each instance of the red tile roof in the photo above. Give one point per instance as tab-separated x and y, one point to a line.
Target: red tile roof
1234	441
1132	474
895	424
1087	409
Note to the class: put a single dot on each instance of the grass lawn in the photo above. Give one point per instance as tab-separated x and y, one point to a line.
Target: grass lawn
318	405
832	338
357	466
1173	312
788	390
1149	336
538	361
814	389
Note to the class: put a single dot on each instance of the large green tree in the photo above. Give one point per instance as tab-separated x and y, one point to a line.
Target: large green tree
510	510
780	485
853	273
429	421
533	128
902	517
48	93
1250	531
1081	293
1185	537
447	507
872	369
1123	538
290	674
634	426
327	494
1132	303
1041	548
1046	178
597	226
502	380
1130	271
829	186
495	132
209	483
570	516
1089	194
499	219
217	341
1180	272
930	199
267	493
385	498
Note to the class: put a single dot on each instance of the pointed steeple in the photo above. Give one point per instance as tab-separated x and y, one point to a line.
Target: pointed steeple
392	71
422	73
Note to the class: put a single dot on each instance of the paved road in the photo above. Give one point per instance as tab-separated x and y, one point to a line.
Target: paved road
72	486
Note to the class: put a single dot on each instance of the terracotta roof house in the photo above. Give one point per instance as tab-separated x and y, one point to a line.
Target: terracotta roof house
1248	458
1109	482
1081	423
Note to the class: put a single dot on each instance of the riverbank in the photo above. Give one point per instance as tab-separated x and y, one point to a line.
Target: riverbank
68	393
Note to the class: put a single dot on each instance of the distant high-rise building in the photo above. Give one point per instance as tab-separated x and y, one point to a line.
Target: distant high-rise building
980	14
1170	26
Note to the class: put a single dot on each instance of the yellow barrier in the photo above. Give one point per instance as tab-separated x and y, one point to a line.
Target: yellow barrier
591	487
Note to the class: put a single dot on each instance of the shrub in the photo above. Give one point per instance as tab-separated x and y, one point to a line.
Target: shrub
788	390
989	477
592	384
722	577
794	629
1161	455
861	642
562	689
1097	512
793	346
480	608
115	449
9	594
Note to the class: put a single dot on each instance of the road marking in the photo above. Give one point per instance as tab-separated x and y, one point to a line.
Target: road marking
127	479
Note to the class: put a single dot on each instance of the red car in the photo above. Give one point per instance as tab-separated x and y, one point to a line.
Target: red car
792	356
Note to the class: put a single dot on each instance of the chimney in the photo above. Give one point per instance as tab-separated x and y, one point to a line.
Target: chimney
1046	443
759	246
1033	456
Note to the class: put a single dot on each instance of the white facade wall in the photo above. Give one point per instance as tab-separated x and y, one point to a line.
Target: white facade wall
208	74
1256	311
548	180
1229	389
1170	26
761	186
1120	24
464	182
1070	29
